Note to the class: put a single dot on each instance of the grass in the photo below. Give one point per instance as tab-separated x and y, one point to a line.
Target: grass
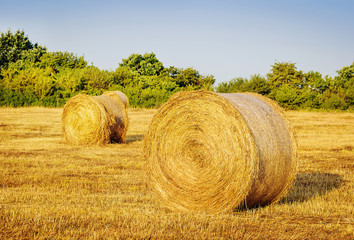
51	190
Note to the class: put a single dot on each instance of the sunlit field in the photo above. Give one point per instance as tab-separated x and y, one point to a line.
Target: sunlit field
52	190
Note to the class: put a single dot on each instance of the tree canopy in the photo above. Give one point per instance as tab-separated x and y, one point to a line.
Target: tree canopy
146	65
294	89
17	46
30	75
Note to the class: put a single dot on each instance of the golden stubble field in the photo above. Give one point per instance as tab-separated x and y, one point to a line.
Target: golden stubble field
51	190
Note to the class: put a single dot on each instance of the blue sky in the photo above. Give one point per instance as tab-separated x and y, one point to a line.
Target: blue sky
224	38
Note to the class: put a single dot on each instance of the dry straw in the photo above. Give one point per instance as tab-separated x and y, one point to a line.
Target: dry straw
213	152
94	120
120	95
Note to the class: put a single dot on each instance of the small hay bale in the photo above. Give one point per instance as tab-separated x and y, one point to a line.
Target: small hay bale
94	120
213	152
120	95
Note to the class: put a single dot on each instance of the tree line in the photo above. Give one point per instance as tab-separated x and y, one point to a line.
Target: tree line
31	75
295	89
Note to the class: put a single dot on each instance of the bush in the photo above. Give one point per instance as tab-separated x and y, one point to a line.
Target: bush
293	89
29	75
334	102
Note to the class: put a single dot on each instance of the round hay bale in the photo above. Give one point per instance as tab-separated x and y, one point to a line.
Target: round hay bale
94	120
120	95
211	152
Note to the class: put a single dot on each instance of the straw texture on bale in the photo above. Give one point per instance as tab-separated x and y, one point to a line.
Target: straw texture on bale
211	152
91	120
120	95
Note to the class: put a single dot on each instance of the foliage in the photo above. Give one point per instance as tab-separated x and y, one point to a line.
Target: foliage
294	89
256	83
147	83
32	76
345	80
17	46
190	77
283	73
147	65
29	75
59	60
234	86
29	86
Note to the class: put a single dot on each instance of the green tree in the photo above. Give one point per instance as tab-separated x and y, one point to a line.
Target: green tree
96	80
125	76
233	86
17	46
258	84
146	65
334	98
146	71
171	71
284	73
345	80
287	85
70	81
61	60
315	82
28	86
190	77
289	97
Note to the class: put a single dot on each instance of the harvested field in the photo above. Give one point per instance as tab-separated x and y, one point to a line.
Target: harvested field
52	190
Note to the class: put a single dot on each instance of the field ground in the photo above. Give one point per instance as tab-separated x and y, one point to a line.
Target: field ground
51	190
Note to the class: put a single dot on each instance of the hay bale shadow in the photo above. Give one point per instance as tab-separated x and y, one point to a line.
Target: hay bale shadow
310	185
134	138
305	187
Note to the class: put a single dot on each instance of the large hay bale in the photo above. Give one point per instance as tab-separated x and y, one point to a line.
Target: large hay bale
94	120
211	152
120	95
